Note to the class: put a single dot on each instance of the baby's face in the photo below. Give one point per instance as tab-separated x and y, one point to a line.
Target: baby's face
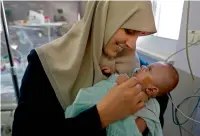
156	70
156	79
158	73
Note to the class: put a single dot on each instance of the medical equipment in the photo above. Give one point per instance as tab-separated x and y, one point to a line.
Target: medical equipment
187	51
195	126
12	67
181	111
174	113
185	100
174	117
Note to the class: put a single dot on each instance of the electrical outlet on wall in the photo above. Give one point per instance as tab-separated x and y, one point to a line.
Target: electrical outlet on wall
194	37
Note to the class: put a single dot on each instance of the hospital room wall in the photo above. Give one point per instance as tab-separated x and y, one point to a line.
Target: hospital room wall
156	47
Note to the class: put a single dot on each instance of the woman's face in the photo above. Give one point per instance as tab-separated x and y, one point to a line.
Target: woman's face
123	38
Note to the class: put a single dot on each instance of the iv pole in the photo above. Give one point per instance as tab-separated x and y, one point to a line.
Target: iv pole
12	70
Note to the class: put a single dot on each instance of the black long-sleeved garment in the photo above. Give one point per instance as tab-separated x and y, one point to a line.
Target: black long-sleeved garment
39	112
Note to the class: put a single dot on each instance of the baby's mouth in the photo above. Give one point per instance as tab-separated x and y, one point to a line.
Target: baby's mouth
136	72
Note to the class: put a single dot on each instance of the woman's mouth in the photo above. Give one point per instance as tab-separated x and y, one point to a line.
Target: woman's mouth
119	47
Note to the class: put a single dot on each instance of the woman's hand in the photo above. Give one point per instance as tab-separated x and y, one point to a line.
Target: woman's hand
121	101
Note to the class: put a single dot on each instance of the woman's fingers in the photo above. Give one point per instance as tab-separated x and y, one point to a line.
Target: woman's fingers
142	97
137	106
121	101
140	105
122	78
134	91
139	101
131	82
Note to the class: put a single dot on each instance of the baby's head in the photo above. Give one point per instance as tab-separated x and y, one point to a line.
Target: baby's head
157	78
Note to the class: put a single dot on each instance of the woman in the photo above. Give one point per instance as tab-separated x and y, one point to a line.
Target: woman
56	71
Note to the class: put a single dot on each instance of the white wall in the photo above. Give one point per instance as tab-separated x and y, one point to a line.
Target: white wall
194	52
156	47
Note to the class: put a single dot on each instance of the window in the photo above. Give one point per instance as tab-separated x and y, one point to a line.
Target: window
168	14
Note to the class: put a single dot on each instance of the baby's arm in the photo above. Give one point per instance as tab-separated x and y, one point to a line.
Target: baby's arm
141	124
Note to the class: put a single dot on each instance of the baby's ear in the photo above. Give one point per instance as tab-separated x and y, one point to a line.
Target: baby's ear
152	91
122	78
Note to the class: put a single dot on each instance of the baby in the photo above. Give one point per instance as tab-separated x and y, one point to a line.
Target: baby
156	79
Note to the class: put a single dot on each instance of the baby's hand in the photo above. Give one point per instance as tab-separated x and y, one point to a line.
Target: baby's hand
141	124
122	78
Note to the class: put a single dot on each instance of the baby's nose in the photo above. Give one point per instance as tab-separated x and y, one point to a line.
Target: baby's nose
144	68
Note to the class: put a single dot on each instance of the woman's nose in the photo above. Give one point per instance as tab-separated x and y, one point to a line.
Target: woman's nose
131	42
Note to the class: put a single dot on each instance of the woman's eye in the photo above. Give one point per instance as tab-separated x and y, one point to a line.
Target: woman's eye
129	32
